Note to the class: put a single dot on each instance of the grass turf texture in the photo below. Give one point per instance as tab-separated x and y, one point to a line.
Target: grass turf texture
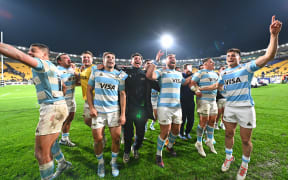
19	118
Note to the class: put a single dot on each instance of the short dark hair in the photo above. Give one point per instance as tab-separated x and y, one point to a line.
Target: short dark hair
136	54
58	57
106	53
88	52
146	60
200	66
42	47
234	50
205	60
185	66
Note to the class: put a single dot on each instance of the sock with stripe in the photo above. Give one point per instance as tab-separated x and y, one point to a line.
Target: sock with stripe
210	133
65	136
172	139
47	170
56	152
228	153
160	145
200	132
245	161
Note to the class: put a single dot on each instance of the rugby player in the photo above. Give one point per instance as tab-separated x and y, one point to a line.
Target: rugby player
105	110
69	77
206	104
53	108
168	107
239	107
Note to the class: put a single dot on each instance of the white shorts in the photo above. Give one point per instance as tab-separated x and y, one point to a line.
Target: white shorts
106	119
221	103
168	115
207	108
245	116
71	104
86	110
51	118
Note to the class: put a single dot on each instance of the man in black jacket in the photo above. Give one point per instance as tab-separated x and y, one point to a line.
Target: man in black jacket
139	108
187	105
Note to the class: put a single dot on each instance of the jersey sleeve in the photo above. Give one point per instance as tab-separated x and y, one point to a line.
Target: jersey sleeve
252	67
122	76
91	80
158	73
196	77
42	66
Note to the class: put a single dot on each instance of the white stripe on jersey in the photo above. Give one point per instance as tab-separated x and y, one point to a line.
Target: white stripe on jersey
105	109
170	90
169	100
101	97
237	92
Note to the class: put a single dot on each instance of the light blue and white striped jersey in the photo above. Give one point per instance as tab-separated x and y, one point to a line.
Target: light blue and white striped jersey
107	84
154	95
170	83
68	77
203	78
237	84
47	82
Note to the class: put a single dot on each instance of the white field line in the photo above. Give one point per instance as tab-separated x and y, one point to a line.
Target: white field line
4	94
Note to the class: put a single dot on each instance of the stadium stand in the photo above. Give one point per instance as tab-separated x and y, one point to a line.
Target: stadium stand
15	71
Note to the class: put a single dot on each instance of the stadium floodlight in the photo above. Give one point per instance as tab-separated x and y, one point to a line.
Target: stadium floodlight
166	41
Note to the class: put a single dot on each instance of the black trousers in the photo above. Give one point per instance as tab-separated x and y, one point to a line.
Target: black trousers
188	107
138	117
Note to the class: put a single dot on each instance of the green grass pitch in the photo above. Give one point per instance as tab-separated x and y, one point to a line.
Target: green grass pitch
19	117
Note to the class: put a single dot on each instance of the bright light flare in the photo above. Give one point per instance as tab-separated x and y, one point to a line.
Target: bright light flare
166	41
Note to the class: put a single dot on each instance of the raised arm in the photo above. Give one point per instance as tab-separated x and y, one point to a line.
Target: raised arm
13	53
275	28
150	74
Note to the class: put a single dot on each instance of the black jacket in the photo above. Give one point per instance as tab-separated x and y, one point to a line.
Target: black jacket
138	90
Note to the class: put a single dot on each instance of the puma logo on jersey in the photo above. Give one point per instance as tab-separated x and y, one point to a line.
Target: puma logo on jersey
107	86
176	80
233	81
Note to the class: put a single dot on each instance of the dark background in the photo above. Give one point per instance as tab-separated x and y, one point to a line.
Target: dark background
200	28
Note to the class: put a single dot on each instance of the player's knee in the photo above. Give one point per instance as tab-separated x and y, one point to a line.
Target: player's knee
229	134
246	142
98	139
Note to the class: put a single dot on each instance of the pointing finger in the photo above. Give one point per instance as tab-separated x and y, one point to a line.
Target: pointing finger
273	19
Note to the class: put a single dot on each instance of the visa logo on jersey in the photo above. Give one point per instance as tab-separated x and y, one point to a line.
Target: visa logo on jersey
107	86
232	81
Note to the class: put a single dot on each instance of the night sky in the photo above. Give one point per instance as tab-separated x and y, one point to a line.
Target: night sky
201	28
